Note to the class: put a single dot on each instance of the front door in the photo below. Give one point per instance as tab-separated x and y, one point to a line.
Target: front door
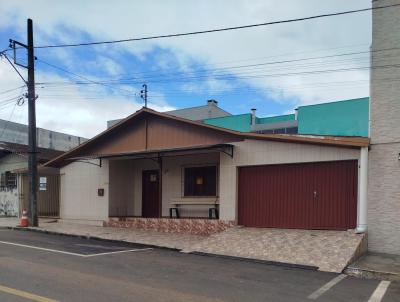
151	193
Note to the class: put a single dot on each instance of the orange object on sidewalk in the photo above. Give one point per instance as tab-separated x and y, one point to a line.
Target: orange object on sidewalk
24	219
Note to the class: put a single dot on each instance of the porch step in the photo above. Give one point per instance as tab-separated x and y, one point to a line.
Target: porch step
172	225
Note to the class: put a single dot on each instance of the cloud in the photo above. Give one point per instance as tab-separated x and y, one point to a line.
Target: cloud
71	109
75	21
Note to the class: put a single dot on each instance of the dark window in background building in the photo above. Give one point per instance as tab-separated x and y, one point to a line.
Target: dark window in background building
200	181
293	130
8	180
2	180
11	180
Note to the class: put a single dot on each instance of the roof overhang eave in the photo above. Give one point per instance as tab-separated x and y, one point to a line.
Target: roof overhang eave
224	148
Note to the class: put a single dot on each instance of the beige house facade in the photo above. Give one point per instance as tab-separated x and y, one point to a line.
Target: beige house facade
130	172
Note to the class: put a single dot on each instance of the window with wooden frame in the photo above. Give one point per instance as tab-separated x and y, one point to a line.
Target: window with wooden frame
200	181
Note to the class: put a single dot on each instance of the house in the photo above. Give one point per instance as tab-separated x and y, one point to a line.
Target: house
13	175
14	164
154	165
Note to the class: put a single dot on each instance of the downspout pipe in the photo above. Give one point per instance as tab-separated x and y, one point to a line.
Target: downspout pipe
362	203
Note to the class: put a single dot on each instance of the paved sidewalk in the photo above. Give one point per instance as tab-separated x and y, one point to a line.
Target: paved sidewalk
328	251
9	221
168	240
376	266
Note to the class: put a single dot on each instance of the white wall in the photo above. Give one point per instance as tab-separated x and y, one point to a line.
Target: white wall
9	198
80	181
79	184
9	202
258	152
173	181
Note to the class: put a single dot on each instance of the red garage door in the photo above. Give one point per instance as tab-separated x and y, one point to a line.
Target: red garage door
304	196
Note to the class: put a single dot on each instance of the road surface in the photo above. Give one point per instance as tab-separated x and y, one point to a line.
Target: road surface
47	268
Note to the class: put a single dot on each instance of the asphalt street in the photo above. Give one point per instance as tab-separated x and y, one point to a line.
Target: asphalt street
45	268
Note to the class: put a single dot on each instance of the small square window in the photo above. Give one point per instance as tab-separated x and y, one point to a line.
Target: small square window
200	181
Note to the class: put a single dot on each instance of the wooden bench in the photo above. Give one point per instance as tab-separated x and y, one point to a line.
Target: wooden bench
177	203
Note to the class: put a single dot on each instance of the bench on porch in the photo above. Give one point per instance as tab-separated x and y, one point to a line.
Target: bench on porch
212	203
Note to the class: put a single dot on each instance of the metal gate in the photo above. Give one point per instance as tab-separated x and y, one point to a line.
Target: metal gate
306	196
48	195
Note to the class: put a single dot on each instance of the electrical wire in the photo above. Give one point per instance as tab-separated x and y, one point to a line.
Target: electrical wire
253	66
82	77
221	29
12	65
12	89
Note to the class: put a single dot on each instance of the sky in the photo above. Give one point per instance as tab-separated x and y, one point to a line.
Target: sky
272	68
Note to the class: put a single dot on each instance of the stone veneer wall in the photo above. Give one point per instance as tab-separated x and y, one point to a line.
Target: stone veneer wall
172	225
384	164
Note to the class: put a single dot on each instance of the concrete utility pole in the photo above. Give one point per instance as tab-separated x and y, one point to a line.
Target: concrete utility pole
32	165
32	148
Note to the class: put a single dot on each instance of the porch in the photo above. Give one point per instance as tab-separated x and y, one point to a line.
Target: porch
171	190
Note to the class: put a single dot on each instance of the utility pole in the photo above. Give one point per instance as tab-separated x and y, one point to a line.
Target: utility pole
32	165
143	94
32	144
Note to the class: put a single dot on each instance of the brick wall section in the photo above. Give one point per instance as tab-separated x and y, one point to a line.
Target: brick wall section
384	165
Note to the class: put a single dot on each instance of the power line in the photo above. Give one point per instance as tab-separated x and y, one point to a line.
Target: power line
82	77
261	58
12	89
12	65
272	62
221	29
228	68
232	77
245	70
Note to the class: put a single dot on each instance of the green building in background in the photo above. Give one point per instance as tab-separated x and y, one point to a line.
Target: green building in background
340	118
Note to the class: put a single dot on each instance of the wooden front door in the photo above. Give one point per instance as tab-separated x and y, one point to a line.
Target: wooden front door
151	193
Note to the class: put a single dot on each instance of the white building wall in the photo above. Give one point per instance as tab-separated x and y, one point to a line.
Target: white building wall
128	172
9	198
80	181
9	202
258	152
78	195
173	178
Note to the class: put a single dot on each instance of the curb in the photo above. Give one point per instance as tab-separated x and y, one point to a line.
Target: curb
371	274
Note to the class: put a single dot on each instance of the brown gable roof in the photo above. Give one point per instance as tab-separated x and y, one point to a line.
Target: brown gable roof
147	129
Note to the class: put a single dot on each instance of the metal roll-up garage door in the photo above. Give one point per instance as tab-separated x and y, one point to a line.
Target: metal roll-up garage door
319	195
